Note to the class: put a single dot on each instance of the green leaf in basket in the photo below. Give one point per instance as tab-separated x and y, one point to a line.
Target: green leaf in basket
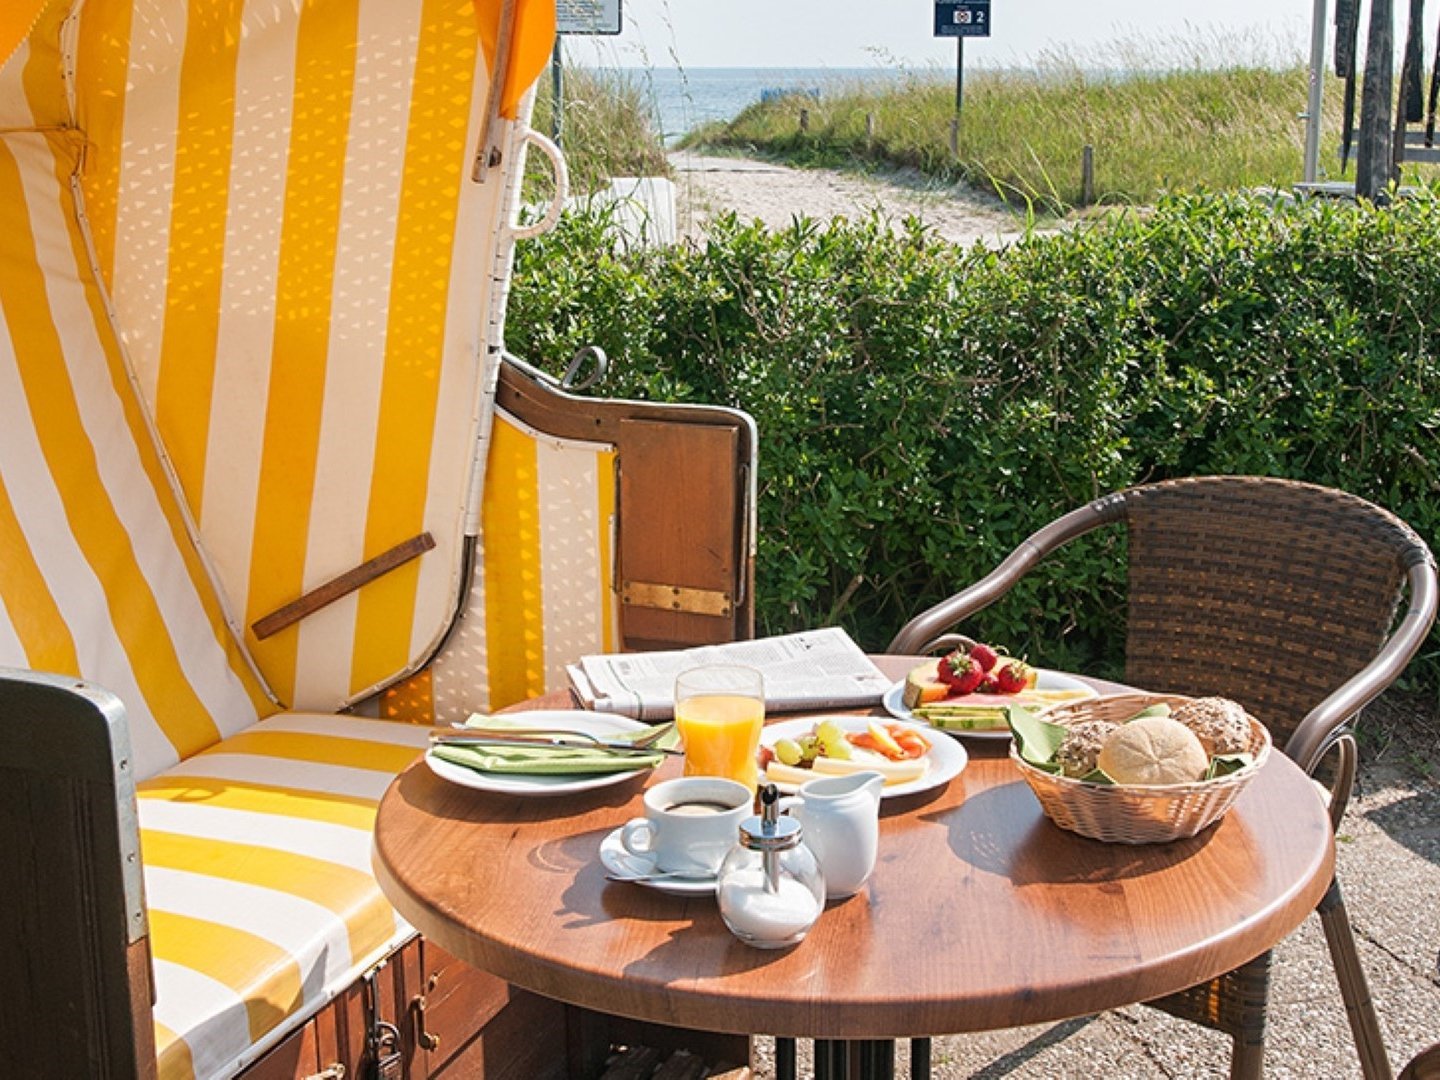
1158	709
1229	763
1097	776
1036	740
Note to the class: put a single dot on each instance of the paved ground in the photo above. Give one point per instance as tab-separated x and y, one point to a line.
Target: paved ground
1389	867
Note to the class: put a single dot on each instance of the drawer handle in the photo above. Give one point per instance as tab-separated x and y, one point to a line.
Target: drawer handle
427	1040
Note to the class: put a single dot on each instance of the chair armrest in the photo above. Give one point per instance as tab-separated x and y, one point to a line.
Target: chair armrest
916	636
1319	730
1424	1065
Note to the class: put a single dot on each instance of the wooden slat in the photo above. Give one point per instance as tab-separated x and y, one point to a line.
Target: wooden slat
336	587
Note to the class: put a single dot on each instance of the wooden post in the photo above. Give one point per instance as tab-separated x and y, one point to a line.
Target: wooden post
959	74
1087	175
804	119
869	130
557	91
955	137
1375	159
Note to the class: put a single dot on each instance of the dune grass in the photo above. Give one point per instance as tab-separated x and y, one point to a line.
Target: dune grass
1213	113
609	128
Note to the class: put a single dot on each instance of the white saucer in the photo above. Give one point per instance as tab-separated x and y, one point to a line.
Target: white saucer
621	863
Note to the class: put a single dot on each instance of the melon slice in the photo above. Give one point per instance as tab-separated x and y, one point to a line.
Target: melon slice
923	685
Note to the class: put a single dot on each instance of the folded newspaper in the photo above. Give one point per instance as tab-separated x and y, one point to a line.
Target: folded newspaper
814	669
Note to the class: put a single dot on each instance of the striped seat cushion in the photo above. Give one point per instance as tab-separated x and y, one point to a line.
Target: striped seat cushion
257	877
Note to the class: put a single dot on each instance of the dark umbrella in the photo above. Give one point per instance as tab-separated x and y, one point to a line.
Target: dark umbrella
1434	95
1347	32
1413	69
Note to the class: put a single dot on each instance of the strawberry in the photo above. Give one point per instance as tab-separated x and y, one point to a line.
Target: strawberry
985	655
1012	676
950	666
959	671
988	684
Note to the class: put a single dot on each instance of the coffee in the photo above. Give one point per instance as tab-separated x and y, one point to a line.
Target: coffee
698	809
690	824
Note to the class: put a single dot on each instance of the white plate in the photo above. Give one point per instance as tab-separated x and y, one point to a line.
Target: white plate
587	723
894	702
620	862
947	757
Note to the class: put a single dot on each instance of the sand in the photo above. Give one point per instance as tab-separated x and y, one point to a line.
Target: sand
777	194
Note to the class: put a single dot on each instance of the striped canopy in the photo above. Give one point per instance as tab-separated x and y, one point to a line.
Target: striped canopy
305	281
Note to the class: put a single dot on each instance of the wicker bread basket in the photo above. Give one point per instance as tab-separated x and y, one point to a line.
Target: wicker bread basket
1129	813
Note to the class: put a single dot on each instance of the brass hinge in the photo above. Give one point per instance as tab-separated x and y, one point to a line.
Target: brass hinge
676	598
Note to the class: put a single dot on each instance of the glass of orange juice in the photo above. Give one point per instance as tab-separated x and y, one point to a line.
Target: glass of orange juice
720	709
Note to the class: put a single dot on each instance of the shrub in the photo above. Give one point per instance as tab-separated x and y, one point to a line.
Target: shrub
923	407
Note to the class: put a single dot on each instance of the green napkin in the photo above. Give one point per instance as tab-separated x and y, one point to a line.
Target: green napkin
554	760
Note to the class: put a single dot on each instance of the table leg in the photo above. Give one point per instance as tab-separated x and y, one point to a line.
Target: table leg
785	1061
832	1059
919	1059
877	1059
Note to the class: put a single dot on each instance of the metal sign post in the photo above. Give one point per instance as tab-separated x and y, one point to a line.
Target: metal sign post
594	17
961	19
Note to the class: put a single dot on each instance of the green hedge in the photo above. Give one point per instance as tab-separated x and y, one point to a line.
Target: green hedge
923	407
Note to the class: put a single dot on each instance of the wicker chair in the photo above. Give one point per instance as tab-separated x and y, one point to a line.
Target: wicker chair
1282	596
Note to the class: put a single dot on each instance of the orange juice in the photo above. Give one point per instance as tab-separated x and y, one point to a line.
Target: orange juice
721	734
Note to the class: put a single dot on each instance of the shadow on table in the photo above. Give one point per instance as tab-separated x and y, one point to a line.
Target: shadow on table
419	786
1002	831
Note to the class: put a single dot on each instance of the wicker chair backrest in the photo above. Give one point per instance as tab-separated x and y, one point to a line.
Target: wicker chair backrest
1271	592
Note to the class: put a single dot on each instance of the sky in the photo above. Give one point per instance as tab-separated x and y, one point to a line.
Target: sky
870	33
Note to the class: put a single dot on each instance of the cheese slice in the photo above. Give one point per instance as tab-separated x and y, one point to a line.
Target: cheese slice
895	772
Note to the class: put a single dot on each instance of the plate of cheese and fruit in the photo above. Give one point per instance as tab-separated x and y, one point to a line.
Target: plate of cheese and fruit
966	692
910	758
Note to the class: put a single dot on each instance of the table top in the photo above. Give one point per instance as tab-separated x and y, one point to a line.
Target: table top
981	913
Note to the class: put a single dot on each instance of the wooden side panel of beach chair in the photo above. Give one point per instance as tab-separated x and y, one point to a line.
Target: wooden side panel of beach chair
67	805
607	525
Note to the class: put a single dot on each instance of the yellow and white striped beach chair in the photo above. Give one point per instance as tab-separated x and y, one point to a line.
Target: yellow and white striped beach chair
262	459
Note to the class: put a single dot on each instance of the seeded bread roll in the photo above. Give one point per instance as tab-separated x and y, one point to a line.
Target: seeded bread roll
1081	746
1219	723
1151	751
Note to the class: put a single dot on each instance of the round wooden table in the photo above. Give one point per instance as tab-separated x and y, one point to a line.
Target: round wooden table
981	913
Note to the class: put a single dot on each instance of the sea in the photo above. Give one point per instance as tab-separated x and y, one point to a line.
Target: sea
684	98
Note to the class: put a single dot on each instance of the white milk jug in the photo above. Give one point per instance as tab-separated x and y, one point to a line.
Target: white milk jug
841	818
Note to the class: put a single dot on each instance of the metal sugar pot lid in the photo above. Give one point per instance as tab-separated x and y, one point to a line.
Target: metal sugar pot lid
769	831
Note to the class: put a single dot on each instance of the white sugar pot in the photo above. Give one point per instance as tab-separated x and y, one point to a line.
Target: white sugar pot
841	817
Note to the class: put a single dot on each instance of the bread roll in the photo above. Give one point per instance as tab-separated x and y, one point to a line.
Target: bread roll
1081	748
1220	724
1152	751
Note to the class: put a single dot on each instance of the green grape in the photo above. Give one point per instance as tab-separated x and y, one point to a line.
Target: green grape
788	751
827	732
809	747
838	747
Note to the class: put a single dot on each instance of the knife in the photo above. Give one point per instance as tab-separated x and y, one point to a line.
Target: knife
559	740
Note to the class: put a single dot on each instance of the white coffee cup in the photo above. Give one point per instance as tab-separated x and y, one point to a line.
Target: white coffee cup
690	824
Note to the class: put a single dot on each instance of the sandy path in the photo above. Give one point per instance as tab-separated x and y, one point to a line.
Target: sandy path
776	194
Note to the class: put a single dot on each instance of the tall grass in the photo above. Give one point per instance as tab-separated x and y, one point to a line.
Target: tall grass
1212	113
609	128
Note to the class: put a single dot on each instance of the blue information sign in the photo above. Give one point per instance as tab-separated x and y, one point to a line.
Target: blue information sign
962	18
